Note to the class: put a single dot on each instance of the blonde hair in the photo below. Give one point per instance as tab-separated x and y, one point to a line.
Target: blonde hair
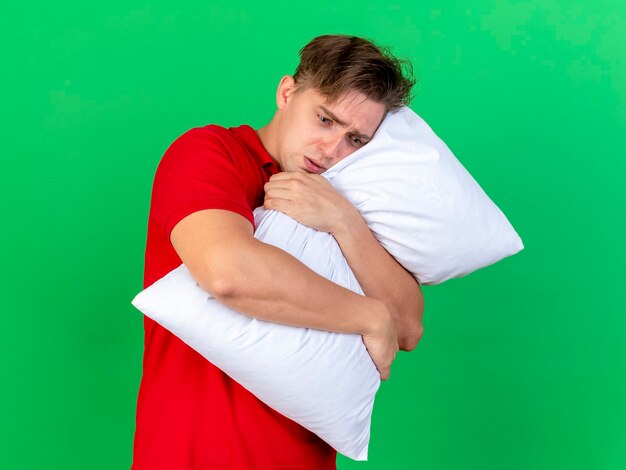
335	64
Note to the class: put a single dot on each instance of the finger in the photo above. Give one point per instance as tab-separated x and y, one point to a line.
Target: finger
286	175
291	184
280	205
293	176
279	193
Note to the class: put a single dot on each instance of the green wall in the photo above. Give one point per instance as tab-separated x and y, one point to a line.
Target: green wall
522	365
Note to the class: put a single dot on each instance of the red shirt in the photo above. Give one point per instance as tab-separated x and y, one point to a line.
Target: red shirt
190	415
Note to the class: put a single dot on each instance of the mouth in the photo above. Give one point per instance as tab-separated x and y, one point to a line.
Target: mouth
313	167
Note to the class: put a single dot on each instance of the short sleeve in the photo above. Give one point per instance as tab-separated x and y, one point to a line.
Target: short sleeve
197	172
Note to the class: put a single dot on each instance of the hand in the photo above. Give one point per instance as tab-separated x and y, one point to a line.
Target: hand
311	200
382	346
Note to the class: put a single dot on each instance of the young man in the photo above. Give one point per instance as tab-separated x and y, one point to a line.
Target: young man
190	415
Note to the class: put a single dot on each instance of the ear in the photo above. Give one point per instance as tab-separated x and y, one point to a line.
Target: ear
286	88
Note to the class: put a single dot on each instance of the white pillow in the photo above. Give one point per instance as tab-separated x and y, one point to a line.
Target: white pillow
424	208
422	204
324	381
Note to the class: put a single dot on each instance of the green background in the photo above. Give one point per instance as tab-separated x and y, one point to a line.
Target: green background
522	365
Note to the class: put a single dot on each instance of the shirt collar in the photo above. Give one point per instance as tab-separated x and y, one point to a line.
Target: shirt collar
253	141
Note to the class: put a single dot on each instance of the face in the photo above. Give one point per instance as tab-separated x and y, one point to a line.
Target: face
311	135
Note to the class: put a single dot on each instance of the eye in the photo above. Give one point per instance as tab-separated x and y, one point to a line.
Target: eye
356	141
324	120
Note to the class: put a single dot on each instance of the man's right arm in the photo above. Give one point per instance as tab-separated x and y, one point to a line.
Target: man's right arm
265	282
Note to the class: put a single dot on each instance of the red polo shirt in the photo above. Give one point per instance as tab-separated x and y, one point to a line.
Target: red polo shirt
190	415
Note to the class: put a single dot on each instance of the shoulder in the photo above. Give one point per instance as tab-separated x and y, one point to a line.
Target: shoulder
200	145
210	135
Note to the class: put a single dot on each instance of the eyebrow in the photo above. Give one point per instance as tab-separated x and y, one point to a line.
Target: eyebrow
343	123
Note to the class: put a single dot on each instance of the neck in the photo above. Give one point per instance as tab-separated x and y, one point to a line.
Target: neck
266	136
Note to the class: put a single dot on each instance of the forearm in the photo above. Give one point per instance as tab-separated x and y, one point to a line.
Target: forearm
267	283
383	278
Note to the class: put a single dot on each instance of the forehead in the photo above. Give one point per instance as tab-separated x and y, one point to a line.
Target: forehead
352	110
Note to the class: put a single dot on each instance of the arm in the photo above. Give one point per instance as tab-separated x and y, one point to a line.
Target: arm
251	277
313	201
382	277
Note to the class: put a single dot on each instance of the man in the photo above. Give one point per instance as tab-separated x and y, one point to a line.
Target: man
190	415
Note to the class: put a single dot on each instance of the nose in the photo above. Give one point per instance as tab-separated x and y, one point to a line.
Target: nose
329	147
